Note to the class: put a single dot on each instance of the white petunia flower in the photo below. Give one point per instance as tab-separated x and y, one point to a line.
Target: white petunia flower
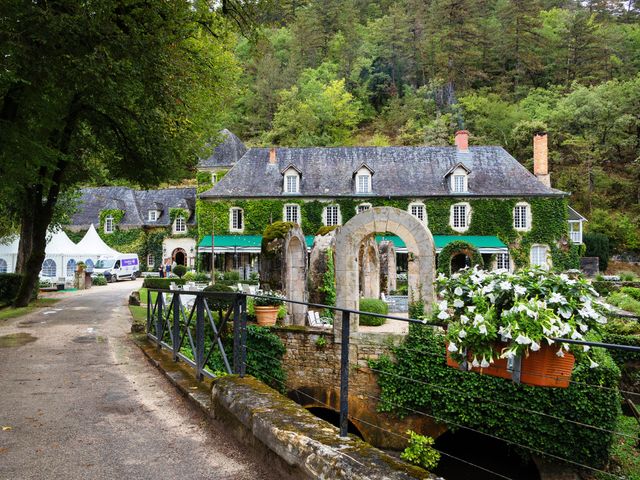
443	305
464	319
560	353
475	362
523	340
472	308
557	298
593	364
505	285
443	315
462	333
535	346
586	348
519	290
478	318
458	303
583	327
452	347
484	363
482	329
441	276
458	291
575	335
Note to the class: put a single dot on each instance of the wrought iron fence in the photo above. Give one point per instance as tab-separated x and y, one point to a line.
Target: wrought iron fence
194	325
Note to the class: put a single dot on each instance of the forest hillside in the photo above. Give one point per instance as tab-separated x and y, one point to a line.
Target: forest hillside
412	72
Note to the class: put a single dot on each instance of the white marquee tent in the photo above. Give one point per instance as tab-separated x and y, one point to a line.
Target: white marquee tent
62	254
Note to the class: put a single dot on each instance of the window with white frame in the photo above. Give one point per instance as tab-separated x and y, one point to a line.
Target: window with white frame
363	184
538	256
292	213
291	183
214	177
49	268
332	215
522	216
3	265
108	224
502	261
460	214
236	219
153	215
151	260
419	211
179	225
459	183
363	207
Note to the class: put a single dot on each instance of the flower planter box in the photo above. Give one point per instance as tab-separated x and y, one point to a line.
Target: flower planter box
545	369
266	316
542	368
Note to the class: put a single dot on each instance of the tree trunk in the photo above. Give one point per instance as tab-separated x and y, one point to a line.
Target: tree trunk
25	246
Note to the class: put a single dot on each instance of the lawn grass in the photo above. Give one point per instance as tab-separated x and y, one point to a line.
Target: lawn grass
625	455
7	313
625	302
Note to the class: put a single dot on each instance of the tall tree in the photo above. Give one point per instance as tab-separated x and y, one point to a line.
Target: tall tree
140	82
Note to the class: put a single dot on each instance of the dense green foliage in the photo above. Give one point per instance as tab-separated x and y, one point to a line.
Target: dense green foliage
419	379
9	285
373	305
179	270
327	72
328	287
154	282
597	246
625	302
99	281
420	451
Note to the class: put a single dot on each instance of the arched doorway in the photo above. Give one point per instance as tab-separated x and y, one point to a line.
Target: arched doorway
349	237
460	261
296	277
179	256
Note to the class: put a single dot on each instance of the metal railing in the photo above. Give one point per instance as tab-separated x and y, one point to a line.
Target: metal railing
203	317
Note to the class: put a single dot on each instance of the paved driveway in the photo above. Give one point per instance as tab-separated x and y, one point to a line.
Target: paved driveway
79	401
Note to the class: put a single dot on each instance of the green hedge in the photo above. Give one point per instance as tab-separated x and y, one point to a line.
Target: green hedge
153	282
419	379
9	285
373	305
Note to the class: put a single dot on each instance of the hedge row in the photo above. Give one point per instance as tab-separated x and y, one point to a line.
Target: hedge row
154	282
373	305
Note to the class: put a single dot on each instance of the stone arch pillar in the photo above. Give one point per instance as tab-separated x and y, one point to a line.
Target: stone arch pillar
416	236
283	267
369	262
388	274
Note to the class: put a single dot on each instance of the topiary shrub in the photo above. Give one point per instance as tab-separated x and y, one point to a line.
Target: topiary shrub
373	305
598	246
9	285
179	270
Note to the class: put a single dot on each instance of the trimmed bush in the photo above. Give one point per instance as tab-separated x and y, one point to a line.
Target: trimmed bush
99	280
598	246
9	285
373	305
153	282
219	303
179	270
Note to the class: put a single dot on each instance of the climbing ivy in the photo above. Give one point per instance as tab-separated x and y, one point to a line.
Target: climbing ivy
328	287
452	249
117	215
550	420
490	216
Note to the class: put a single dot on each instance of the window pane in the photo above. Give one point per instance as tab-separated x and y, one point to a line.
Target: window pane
418	212
363	184
3	265
460	216
458	183
236	218
363	207
291	214
49	268
331	215
520	216
502	261
292	184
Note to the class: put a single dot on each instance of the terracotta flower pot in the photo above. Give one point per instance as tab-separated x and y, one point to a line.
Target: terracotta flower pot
266	316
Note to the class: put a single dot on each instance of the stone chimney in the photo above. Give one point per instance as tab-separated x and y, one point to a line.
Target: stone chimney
462	140
541	158
272	156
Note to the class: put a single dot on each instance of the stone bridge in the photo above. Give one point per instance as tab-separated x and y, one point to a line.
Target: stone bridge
313	381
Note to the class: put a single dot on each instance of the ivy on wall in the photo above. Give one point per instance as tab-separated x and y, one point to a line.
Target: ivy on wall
117	215
454	248
469	399
489	217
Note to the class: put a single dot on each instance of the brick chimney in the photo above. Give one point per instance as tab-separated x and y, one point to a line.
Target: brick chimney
462	140
541	158
272	156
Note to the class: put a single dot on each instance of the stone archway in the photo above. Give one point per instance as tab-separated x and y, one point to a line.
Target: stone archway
349	237
369	262
296	277
179	255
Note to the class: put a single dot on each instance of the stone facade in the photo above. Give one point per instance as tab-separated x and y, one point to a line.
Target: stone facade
388	273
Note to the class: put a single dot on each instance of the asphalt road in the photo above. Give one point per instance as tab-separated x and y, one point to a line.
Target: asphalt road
79	401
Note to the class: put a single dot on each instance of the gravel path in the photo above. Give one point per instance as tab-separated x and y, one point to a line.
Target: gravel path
79	401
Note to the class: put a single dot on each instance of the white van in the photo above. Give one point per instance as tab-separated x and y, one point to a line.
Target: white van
125	265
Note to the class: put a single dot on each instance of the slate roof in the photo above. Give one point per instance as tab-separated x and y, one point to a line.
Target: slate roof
226	154
135	203
399	172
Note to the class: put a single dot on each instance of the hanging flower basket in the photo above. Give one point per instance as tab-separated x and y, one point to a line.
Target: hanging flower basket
506	324
266	316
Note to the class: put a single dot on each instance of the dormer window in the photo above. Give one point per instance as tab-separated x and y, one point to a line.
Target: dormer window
458	178
153	215
291	180
363	179
180	224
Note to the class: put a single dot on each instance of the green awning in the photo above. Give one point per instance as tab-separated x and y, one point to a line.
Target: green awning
252	243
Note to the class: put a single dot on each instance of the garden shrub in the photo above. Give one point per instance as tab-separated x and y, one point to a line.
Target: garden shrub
419	379
625	302
627	276
99	280
420	451
373	305
221	303
9	285
597	246
154	282
633	292
179	270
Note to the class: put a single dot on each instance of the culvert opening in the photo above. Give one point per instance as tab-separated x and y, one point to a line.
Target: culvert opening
486	452
333	418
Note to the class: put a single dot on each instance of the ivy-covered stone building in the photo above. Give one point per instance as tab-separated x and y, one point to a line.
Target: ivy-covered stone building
480	195
158	225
